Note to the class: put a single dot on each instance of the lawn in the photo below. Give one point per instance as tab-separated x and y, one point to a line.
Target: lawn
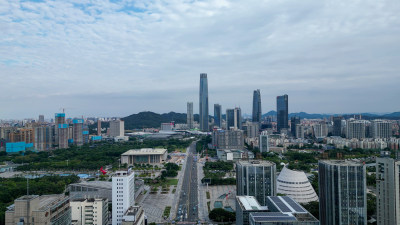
167	210
172	181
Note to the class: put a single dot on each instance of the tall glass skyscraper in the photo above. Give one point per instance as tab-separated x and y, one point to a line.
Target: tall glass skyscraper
256	106
203	108
294	121
342	192
217	115
234	118
189	116
282	111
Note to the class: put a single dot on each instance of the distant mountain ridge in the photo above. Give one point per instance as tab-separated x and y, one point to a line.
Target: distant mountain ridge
151	119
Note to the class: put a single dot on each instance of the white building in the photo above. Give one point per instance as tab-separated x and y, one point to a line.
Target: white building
299	131
117	128
381	129
356	129
320	130
263	142
167	126
252	129
123	194
89	211
296	185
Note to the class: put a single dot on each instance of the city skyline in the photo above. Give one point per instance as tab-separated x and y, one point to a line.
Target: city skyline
81	56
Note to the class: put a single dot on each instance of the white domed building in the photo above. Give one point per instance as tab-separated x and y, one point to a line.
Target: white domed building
295	184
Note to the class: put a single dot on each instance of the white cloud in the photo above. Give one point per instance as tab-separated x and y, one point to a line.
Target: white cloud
329	56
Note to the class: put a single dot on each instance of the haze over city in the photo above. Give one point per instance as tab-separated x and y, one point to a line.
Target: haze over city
115	58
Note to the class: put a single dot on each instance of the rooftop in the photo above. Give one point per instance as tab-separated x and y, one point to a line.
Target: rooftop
256	163
250	203
285	204
95	184
341	162
145	151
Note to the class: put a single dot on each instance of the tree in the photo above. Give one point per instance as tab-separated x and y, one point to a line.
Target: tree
313	208
222	215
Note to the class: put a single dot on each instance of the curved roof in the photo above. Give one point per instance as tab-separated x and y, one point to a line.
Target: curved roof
296	185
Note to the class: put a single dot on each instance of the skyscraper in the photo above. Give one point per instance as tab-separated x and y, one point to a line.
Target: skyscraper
356	129
43	138
294	121
256	106
342	192
98	127
77	131
234	118
256	178
217	115
387	190
203	109
337	126
59	119
189	116
282	111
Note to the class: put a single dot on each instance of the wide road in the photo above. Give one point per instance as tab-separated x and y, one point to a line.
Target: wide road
188	198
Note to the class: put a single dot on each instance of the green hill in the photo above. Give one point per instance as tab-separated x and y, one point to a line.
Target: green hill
151	119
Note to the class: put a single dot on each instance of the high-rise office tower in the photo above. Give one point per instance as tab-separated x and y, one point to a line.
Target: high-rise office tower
203	109
337	126
98	127
253	129
342	192
77	131
189	116
123	194
117	128
387	190
381	129
256	178
41	118
256	106
263	142
218	115
294	121
43	138
282	112
234	118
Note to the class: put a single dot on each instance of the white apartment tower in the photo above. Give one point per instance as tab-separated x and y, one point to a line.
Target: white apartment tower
381	129
387	190
123	194
117	128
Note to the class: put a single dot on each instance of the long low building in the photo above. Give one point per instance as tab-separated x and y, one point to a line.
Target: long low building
153	156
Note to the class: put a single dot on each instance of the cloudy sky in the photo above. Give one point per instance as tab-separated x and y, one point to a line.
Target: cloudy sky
115	58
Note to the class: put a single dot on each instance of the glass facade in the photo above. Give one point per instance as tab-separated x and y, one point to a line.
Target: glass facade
282	111
342	187
256	179
256	106
203	108
217	115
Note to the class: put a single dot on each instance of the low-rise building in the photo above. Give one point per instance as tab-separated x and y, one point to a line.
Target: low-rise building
153	156
92	189
39	210
134	216
246	205
89	211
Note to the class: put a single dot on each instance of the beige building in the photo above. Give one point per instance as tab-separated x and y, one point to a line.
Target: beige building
39	210
89	211
134	216
152	156
117	128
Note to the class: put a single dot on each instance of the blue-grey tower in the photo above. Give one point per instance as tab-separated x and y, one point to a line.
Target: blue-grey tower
203	109
282	111
217	115
256	106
